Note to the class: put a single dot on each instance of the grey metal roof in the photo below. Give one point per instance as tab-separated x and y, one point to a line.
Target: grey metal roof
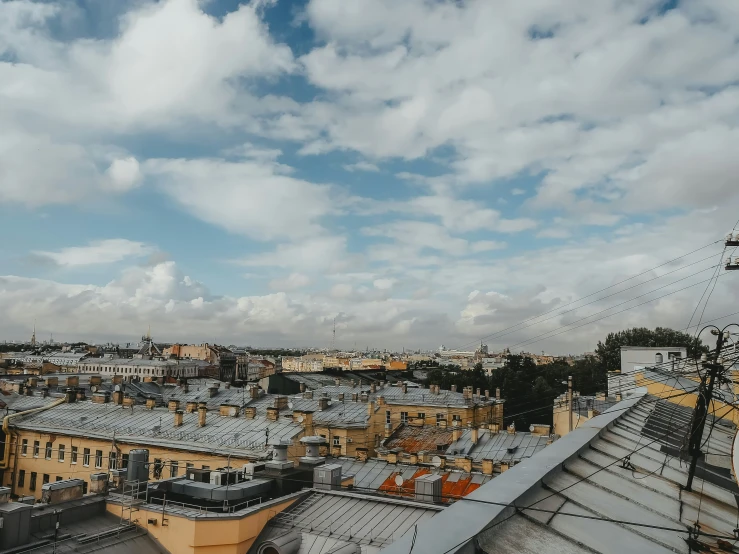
414	396
328	520
18	402
584	473
500	447
237	436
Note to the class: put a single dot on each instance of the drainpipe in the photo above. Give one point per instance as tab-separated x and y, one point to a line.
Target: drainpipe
6	427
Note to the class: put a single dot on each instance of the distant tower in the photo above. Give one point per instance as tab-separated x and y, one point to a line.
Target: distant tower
33	337
333	339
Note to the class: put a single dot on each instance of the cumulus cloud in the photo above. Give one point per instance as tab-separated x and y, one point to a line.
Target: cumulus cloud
124	174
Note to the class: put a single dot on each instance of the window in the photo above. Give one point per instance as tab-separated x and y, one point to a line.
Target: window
112	460
35	449
403	417
86	457
387	417
158	467
124	461
206	467
439	419
24	447
61	452
32	484
74	454
48	451
188	466
337	441
457	418
21	478
98	458
174	468
59	478
46	478
421	415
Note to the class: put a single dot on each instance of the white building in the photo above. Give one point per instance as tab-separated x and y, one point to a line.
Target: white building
636	358
135	367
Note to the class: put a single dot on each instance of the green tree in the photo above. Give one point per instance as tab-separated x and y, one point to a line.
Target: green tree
609	352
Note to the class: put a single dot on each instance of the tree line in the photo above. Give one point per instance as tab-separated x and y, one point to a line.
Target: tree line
529	389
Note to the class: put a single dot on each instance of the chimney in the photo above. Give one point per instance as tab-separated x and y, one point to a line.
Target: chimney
323	403
80	394
497	394
355	397
118	397
371	408
619	397
373	388
117	379
456	434
487	395
202	412
227	386
185	387
273	413
191	407
44	392
364	396
405	388
494	428
341	397
212	391
96	380
453	388
174	405
281	402
302	387
308	395
250	412
512	429
254	391
475	435
228	410
361	454
479	394
178	418
337	381
354	383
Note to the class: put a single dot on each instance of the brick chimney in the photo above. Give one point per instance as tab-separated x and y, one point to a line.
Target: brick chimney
323	403
475	435
212	391
118	397
341	397
250	412
273	414
302	387
456	434
373	387
619	397
150	403
191	407
497	394
371	408
178	418
355	397
254	391
173	405
281	402
487	395
453	388
362	454
308	395
479	394
202	413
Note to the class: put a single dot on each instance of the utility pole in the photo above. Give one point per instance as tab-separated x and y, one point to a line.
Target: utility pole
705	394
569	398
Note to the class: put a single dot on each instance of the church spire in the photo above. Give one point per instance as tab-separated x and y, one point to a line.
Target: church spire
33	337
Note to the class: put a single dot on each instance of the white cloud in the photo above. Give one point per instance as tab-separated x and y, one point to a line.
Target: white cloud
361	166
249	197
294	281
124	174
97	252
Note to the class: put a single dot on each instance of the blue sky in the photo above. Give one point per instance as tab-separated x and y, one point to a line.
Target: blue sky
424	172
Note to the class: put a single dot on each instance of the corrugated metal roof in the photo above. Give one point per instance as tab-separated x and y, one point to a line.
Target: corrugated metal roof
499	447
237	436
327	520
587	469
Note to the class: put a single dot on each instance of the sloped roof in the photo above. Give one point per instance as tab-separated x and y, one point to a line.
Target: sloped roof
499	447
417	439
617	470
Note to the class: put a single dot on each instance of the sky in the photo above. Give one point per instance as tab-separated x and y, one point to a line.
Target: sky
420	172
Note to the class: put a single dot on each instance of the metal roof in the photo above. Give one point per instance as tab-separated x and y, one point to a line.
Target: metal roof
584	474
328	520
499	447
237	436
414	396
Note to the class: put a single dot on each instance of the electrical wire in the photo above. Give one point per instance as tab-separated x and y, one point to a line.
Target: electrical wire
598	291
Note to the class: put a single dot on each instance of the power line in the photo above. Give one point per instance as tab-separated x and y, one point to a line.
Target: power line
599	291
537	339
500	334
